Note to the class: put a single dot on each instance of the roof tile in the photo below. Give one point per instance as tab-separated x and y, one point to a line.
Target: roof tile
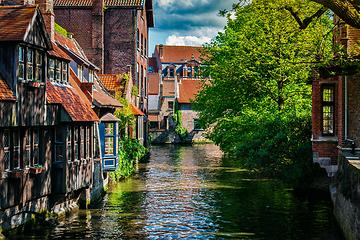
14	21
136	111
128	3
179	54
188	89
6	94
112	81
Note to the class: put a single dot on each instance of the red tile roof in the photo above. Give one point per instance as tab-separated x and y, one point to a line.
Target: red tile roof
136	111
112	81
14	21
169	88
154	80
127	3
52	96
57	52
67	42
6	94
188	89
178	54
105	100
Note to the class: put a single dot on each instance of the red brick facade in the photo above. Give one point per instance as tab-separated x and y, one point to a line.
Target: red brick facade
346	126
113	37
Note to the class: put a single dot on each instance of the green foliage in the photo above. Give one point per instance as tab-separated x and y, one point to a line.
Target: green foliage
259	67
128	154
179	129
60	30
134	92
125	114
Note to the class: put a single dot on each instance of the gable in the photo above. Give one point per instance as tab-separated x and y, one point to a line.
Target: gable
37	34
23	24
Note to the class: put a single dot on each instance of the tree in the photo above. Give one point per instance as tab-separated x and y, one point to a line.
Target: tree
259	67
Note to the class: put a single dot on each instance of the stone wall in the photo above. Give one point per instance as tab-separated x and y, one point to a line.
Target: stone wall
345	194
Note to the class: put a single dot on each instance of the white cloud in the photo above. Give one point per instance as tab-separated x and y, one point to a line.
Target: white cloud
186	40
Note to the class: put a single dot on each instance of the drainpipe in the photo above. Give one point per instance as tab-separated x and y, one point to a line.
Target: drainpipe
346	120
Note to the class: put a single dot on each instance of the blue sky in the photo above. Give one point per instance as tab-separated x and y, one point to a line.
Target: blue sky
187	22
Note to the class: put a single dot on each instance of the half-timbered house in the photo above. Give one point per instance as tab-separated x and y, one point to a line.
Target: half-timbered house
46	125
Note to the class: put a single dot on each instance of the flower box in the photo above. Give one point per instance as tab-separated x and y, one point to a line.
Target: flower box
36	170
17	173
34	84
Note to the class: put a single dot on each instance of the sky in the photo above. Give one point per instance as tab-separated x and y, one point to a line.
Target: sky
187	22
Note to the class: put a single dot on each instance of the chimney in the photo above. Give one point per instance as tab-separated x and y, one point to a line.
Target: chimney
47	11
161	49
98	34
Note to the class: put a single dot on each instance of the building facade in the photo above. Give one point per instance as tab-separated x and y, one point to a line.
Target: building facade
175	78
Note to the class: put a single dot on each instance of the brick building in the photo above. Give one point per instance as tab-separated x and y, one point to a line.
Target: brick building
113	34
175	80
335	107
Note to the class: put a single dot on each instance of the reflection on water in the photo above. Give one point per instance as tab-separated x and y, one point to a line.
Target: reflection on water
192	192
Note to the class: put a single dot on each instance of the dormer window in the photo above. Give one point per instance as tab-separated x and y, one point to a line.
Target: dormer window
189	72
39	68
64	72
21	64
58	69
30	54
51	69
171	72
80	72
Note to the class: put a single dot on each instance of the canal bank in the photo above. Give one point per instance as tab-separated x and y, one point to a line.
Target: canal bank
194	192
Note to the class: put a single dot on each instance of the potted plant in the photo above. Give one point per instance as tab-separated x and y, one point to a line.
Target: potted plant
16	173
34	83
36	169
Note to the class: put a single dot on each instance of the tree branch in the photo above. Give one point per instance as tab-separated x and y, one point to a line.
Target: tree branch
307	21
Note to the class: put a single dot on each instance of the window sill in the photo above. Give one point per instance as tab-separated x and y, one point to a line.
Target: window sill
326	139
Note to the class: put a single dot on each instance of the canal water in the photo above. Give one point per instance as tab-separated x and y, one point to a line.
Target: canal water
193	192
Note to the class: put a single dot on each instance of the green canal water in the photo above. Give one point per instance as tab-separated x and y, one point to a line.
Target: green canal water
193	192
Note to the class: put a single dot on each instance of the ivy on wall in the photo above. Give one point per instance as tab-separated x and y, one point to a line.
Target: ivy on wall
179	129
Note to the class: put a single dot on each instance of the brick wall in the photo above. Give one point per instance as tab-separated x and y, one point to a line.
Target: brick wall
79	22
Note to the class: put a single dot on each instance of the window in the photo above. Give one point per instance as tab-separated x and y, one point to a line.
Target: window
170	105
197	125
91	76
58	71
196	70
171	72
51	69
64	72
21	64
39	68
142	44
69	145
36	146
96	143
151	69
76	142
82	143
137	38
58	144
16	152
7	149
142	81
80	72
109	138
30	54
88	129
328	109
189	72
154	125
27	148
145	47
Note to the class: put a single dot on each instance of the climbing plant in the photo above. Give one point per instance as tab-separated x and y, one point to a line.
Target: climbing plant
179	129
